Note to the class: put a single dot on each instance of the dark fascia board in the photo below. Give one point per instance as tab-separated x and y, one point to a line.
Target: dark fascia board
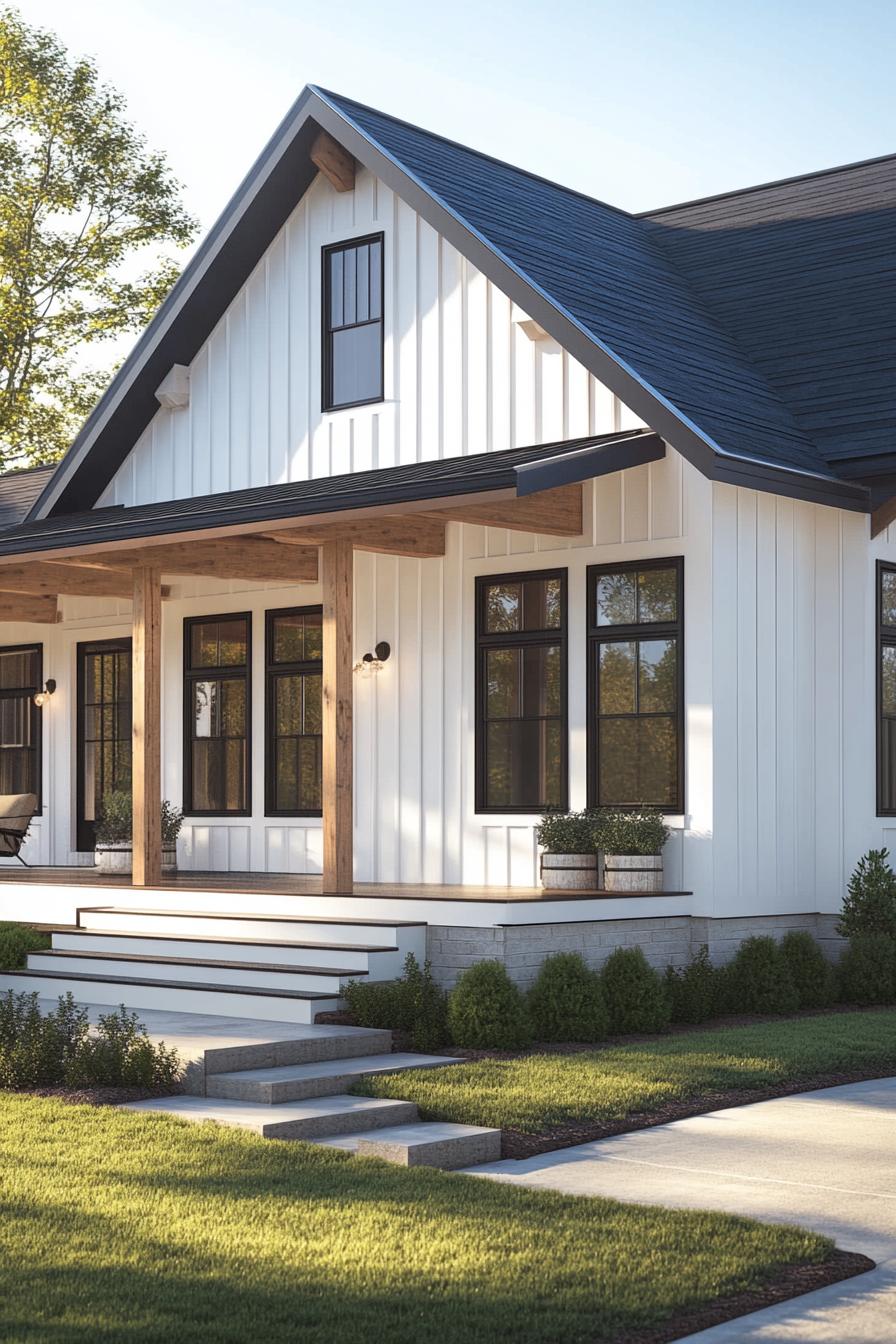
584	464
853	497
271	189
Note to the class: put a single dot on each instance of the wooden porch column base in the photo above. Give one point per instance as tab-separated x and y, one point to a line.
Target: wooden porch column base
337	565
146	681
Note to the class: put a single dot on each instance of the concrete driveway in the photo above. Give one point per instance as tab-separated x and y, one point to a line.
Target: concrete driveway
825	1160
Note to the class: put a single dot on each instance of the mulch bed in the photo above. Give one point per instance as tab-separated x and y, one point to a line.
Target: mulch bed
793	1282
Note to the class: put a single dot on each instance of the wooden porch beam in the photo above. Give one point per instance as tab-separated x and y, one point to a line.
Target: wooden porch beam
407	534
26	607
337	562
247	557
49	580
336	164
553	513
883	516
146	682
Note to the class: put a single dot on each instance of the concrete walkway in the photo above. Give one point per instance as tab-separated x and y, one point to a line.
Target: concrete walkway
825	1160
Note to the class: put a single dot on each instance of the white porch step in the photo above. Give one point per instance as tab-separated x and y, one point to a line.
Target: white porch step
355	956
214	999
409	936
308	1119
430	1143
299	1081
244	974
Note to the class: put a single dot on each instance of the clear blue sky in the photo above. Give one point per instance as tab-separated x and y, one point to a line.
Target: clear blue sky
640	102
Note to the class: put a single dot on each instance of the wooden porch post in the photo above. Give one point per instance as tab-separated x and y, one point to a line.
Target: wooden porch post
146	680
336	579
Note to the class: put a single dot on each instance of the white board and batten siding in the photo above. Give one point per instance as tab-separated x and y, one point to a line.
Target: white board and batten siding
779	646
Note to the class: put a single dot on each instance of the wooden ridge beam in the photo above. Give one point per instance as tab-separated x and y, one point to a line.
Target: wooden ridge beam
44	578
246	557
336	164
553	513
399	534
28	607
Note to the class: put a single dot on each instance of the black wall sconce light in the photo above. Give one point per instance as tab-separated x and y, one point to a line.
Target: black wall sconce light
43	696
373	662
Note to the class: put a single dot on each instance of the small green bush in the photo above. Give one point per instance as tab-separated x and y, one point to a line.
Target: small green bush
867	970
114	823
16	941
809	970
759	981
486	1011
567	833
566	1003
637	832
693	990
414	1004
870	902
634	993
172	821
59	1049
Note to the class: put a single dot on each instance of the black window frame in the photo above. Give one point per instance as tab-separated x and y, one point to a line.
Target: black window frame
272	670
85	831
519	639
36	714
595	636
228	672
885	638
326	392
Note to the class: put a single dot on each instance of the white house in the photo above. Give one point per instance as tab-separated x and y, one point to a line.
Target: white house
408	396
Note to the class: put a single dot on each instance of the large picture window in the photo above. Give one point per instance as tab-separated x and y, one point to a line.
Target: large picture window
216	707
293	641
635	685
21	675
886	690
352	363
521	692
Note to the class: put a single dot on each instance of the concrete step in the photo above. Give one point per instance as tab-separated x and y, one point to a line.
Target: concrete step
216	1000
408	935
356	956
318	1045
431	1143
310	1119
295	1082
255	975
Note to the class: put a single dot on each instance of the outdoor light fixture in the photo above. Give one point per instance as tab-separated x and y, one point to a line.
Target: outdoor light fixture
43	696
372	662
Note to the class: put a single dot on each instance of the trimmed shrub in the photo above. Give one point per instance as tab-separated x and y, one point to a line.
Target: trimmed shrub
16	941
870	902
414	1004
758	979
633	832
693	990
867	970
567	833
114	823
634	993
486	1011
809	969
566	1003
59	1049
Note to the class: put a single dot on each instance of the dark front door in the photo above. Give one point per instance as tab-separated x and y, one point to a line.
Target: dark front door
104	729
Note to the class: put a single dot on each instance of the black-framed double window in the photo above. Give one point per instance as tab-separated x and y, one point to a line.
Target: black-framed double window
521	710
886	689
293	761
217	656
21	676
636	684
352	306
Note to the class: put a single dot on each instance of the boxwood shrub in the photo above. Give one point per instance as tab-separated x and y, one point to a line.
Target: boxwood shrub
867	970
758	979
635	994
693	990
486	1010
566	1002
414	1004
810	971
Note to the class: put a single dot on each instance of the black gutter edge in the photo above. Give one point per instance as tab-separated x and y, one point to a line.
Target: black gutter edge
584	464
792	484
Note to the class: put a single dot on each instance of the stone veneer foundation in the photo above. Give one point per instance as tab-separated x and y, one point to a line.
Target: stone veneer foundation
663	939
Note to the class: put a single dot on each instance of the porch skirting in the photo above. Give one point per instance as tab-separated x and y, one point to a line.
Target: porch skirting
664	940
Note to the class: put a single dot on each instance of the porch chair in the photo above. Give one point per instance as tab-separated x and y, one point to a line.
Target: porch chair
16	813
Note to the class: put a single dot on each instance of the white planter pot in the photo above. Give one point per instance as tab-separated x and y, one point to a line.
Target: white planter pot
569	872
114	858
169	858
633	872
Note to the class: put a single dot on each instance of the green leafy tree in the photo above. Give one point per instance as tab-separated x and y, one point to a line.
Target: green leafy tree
85	211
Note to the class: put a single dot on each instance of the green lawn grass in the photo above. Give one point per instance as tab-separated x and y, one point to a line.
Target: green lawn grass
539	1093
118	1226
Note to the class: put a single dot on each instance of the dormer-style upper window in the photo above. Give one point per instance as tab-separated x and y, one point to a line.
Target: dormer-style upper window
353	323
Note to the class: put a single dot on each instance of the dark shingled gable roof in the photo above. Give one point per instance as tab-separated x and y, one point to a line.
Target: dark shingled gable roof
755	332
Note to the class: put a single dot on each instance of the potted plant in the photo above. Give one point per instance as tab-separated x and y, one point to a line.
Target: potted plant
569	851
172	820
632	847
114	832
